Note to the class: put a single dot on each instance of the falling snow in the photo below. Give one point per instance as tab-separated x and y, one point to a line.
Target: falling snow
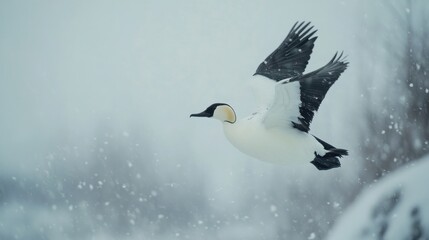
97	144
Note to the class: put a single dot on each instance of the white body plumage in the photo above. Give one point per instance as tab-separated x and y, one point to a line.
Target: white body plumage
275	145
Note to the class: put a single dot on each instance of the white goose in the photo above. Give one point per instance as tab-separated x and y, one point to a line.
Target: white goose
279	133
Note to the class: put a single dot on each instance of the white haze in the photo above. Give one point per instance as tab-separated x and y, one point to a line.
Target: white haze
82	78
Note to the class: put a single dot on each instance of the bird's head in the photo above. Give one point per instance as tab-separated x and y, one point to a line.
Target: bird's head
220	111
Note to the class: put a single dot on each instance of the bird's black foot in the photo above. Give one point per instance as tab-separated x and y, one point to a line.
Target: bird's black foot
323	163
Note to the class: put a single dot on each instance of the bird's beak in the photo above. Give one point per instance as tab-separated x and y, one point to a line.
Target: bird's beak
201	114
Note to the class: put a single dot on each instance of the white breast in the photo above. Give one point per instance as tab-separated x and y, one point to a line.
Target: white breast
276	145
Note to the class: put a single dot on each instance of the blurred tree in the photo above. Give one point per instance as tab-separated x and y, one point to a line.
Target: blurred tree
395	86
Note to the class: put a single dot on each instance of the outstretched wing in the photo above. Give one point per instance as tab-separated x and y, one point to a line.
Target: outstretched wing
291	57
297	99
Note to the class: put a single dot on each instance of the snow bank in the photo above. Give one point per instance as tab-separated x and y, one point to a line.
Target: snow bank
397	207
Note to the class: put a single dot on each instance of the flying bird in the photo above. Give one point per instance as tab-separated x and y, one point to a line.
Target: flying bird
279	132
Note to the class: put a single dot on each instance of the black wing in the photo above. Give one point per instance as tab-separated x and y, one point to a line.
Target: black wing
291	57
314	86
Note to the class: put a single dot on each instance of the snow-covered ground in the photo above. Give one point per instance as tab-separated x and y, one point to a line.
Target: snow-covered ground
396	208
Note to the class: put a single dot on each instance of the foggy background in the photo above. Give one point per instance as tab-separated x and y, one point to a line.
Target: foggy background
96	140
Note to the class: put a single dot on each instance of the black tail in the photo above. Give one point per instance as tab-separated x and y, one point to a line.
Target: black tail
330	159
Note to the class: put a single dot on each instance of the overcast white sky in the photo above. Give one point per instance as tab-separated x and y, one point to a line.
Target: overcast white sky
68	66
